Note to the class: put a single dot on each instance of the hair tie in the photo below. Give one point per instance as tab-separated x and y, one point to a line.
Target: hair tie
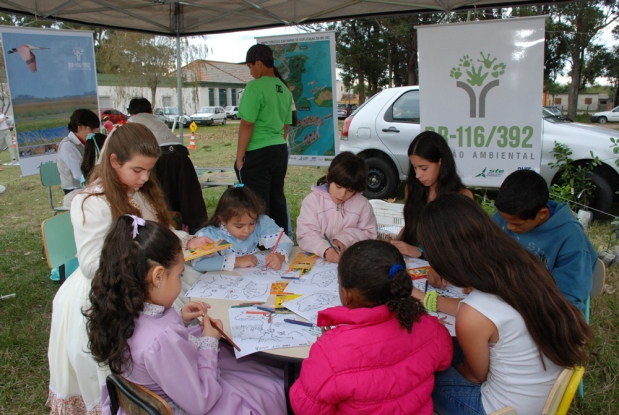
137	221
236	186
394	269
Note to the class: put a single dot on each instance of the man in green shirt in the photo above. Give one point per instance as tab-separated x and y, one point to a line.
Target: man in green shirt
262	153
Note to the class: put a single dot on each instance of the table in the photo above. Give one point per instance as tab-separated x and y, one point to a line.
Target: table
290	356
216	176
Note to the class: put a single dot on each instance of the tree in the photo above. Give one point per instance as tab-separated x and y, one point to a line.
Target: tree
594	65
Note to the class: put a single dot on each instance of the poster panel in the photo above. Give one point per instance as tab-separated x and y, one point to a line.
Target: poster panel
50	73
307	63
481	86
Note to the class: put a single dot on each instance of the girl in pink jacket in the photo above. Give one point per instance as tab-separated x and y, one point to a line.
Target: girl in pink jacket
382	349
336	215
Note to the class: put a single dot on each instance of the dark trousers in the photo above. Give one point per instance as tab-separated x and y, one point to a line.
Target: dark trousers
264	171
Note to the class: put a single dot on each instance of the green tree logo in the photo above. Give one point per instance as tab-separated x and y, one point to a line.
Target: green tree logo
476	77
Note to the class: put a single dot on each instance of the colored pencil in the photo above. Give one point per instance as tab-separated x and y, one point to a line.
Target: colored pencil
263	313
331	243
225	336
267	309
425	290
274	248
299	323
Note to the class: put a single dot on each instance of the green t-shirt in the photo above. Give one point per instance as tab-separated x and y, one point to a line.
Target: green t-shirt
267	103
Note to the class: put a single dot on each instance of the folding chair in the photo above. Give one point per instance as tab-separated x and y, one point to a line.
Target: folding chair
51	177
134	399
562	393
59	242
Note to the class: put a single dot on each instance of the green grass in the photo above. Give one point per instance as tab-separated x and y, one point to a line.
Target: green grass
25	320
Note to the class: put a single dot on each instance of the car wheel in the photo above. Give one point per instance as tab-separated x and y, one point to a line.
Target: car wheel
382	179
602	120
234	117
209	123
602	198
223	122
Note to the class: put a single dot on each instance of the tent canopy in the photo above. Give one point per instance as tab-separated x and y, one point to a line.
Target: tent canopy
200	17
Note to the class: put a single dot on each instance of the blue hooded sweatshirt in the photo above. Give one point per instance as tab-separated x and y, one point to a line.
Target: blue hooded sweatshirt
564	248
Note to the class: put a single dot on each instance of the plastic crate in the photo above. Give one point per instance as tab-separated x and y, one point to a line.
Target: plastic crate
389	218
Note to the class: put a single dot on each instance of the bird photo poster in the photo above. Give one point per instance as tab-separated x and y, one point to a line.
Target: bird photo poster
50	74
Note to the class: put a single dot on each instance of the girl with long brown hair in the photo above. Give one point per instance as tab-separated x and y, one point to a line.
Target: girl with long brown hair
516	330
120	184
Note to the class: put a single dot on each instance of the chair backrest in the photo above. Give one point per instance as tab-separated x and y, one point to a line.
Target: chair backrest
58	240
557	392
570	391
134	399
50	176
599	278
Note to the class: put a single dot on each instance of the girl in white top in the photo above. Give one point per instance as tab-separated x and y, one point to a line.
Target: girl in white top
119	185
517	332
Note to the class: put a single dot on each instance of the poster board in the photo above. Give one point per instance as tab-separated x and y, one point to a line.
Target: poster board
50	74
307	63
481	86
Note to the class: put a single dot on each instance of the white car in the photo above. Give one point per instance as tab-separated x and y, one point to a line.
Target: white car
232	112
371	132
209	116
170	114
606	116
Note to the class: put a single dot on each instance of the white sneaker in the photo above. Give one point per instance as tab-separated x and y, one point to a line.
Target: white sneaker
14	163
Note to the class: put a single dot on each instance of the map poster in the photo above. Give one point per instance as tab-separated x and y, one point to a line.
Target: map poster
50	73
307	63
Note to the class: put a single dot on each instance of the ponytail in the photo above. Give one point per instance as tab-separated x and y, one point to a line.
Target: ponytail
119	288
378	271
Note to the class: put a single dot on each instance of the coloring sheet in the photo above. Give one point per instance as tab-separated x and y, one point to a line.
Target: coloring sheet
270	274
412	263
229	287
450	291
322	277
255	331
309	305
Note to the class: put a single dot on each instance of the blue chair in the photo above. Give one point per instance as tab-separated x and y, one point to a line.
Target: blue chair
50	176
59	242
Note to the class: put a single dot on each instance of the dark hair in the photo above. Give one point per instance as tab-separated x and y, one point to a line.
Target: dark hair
432	147
92	149
235	202
139	105
468	249
522	194
119	288
365	266
84	117
347	170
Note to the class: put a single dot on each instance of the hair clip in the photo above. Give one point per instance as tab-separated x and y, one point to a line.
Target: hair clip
137	221
394	269
236	186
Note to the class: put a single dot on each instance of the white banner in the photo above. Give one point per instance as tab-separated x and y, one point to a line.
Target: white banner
50	73
307	63
481	88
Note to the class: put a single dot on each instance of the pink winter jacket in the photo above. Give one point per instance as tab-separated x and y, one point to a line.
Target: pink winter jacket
350	222
367	364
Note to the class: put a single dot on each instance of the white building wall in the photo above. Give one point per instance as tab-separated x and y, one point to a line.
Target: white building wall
118	97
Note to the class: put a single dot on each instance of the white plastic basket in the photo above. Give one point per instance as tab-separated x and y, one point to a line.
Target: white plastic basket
389	218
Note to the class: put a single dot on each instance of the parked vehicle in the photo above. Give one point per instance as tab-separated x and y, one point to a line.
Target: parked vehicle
231	112
209	116
170	114
554	110
344	110
371	132
606	116
114	115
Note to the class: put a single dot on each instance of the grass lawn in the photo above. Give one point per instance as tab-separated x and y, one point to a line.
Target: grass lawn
25	320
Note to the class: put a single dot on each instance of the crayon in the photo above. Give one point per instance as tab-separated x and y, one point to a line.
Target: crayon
225	336
269	309
274	248
297	322
264	313
331	243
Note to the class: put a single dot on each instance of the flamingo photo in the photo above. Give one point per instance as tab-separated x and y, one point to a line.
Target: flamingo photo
25	51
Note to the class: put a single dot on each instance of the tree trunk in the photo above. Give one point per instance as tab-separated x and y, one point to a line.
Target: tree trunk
153	94
361	80
412	69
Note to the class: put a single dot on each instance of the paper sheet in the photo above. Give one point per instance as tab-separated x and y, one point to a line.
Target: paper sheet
309	305
322	277
269	273
229	287
450	291
256	332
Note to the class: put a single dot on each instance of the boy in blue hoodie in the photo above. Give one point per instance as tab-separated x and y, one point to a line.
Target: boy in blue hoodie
549	230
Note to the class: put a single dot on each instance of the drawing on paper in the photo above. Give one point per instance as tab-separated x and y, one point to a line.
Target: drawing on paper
228	287
449	291
269	273
309	305
325	278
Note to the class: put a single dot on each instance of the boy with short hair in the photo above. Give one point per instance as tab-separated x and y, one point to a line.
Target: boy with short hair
549	230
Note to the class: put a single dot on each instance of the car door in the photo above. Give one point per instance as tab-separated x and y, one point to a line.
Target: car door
397	124
159	114
614	115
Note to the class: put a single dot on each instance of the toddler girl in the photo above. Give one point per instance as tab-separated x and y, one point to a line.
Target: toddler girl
337	210
238	219
148	342
382	350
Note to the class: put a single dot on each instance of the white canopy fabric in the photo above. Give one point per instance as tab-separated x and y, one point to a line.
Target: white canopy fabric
199	17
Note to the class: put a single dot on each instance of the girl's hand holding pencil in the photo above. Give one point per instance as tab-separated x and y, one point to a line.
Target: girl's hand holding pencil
209	327
274	260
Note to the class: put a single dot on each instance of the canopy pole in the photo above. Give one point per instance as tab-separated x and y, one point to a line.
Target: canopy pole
179	77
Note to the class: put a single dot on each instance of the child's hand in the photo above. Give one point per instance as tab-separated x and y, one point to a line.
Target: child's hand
339	245
406	249
275	260
198	241
246	261
418	294
332	255
435	280
194	309
208	329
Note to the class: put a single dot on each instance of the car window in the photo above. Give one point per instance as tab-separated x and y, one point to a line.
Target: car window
404	109
107	112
